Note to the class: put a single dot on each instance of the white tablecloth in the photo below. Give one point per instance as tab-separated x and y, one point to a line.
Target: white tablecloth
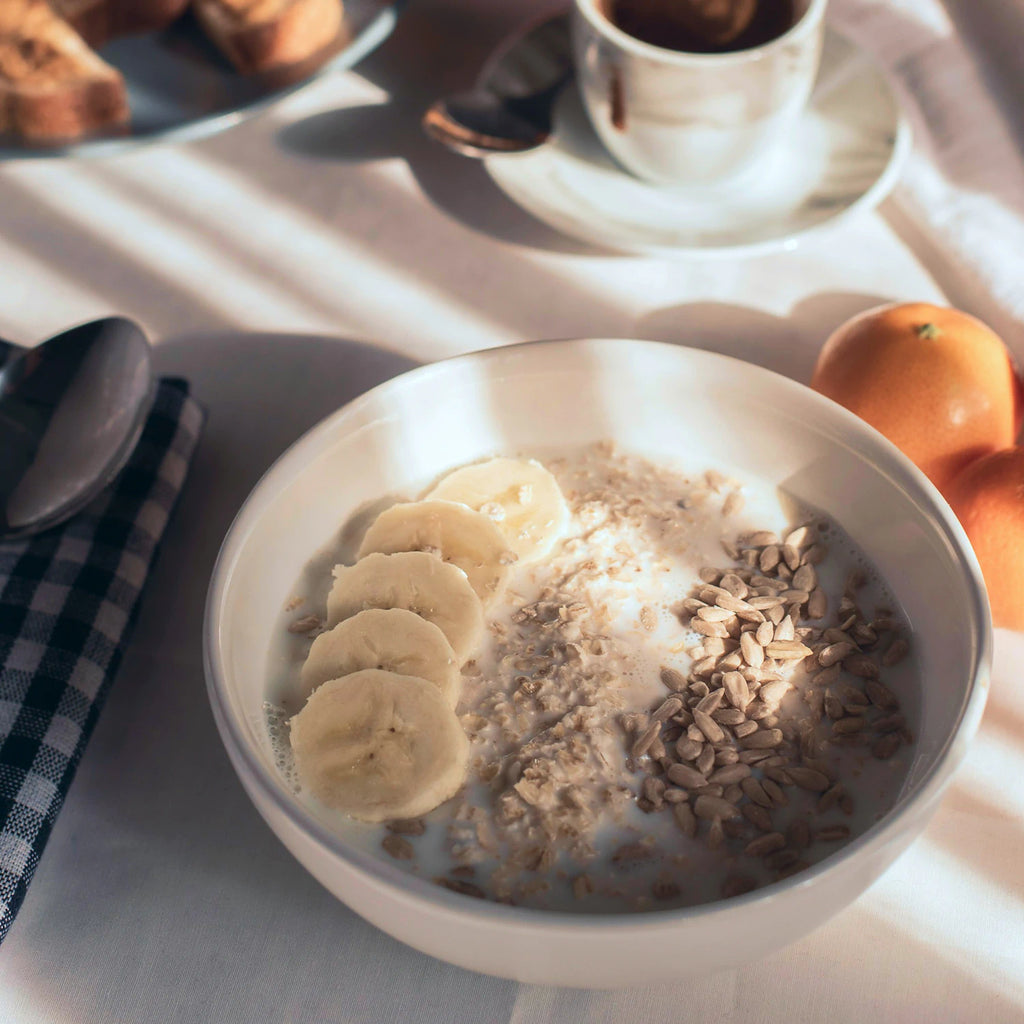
284	267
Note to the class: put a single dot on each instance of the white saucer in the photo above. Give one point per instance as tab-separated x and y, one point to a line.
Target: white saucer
844	156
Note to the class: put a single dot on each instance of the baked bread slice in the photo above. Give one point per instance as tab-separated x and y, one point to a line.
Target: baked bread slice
53	87
265	35
98	21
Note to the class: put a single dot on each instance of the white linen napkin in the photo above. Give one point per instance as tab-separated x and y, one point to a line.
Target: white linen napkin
957	65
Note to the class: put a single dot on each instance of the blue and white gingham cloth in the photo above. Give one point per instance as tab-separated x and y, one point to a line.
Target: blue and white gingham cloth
68	598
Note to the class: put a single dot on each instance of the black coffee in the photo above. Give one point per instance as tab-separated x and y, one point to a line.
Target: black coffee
667	23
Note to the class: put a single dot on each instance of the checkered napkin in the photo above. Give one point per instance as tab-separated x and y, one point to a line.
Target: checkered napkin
68	598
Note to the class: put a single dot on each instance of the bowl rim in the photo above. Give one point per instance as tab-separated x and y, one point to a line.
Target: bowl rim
846	429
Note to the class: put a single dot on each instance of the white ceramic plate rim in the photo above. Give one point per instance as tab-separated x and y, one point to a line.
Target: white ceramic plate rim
501	167
843	427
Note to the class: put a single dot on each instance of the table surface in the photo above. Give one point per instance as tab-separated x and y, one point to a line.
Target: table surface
284	267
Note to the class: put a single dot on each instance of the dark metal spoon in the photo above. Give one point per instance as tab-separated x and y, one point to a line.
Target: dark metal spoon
509	110
71	411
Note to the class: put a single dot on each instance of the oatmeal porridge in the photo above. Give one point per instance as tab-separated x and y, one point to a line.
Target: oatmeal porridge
682	687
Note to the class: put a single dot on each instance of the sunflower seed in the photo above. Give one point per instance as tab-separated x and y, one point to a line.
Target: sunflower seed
731	582
834	653
772	693
688	749
769	558
645	739
714	614
685	819
708	789
729	774
669	707
711	807
704	667
787	650
740	608
826	676
757	711
763	845
779	775
756	792
753	652
762	739
817	604
785	858
829	799
729	716
880	695
685	776
704	628
707	725
804	576
709	574
848	726
890	723
705	759
785	630
775	794
861	665
758	816
709	704
654	790
672	678
736	690
744	729
833	706
801	536
675	796
864	635
791	556
734	502
808	778
765	633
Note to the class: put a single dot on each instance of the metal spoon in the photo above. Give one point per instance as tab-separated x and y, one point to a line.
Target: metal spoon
509	110
71	411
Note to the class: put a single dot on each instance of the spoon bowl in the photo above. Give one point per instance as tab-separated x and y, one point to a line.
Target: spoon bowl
497	116
71	411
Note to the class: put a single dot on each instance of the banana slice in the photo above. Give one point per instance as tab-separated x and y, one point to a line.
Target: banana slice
377	745
414	580
453	532
520	495
394	639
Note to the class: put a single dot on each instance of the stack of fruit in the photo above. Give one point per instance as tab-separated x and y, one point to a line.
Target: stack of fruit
378	737
944	389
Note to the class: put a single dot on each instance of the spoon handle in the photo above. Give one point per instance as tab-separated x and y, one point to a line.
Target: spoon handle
8	351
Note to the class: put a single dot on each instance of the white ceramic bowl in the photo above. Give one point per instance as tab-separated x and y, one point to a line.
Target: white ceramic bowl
660	400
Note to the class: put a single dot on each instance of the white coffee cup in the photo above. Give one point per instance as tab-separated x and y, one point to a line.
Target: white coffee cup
678	118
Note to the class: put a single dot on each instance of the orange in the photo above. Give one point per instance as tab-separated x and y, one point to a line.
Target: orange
988	498
937	382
